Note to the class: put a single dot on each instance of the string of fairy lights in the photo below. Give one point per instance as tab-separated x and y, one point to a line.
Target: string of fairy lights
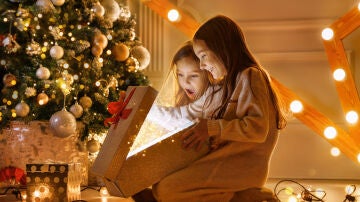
339	138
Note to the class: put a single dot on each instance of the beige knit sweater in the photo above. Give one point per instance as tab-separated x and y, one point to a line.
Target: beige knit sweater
249	131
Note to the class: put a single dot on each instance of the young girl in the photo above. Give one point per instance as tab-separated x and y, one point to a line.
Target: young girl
191	79
243	121
185	83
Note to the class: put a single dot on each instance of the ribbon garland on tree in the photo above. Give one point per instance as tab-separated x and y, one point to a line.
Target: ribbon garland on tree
117	109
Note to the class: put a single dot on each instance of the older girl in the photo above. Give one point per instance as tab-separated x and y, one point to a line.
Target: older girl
242	123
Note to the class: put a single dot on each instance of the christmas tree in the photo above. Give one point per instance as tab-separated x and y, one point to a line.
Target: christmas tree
62	58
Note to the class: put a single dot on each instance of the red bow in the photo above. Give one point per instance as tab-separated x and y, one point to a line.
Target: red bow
12	175
117	109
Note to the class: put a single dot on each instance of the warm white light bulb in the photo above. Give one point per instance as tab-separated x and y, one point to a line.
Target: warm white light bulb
339	74
352	117
359	6
173	15
358	158
330	132
334	151
292	199
104	191
327	34
349	189
296	106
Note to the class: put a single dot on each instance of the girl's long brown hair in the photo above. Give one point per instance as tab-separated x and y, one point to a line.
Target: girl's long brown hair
226	39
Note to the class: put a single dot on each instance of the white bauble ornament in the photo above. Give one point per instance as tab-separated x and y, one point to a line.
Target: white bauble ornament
76	110
93	146
44	5
112	9
58	2
142	55
63	123
98	9
56	52
22	109
43	73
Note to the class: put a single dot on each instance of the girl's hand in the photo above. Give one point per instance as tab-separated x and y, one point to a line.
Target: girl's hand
195	137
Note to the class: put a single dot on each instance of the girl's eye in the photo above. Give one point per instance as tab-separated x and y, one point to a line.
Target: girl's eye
194	76
179	75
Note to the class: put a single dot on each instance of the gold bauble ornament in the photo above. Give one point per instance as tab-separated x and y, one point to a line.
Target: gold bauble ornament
120	52
85	102
56	52
9	80
93	146
100	40
58	2
22	109
96	50
43	73
42	99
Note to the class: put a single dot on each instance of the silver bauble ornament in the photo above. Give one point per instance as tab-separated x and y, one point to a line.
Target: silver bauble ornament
77	110
93	146
43	73
63	123
142	55
22	109
58	2
112	9
98	9
56	52
44	5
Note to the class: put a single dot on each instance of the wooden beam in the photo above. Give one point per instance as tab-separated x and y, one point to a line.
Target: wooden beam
318	122
187	24
347	23
337	58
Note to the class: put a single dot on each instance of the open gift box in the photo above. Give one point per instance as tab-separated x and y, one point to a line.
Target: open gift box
138	153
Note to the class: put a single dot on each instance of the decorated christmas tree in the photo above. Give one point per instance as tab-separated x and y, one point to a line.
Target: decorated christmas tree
65	60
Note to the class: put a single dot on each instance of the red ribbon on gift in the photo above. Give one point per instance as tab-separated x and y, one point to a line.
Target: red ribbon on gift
117	109
12	175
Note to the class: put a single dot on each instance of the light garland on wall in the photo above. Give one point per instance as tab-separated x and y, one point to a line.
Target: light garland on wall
319	123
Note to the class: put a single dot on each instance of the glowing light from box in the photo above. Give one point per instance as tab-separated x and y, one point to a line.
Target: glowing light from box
339	74
150	134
